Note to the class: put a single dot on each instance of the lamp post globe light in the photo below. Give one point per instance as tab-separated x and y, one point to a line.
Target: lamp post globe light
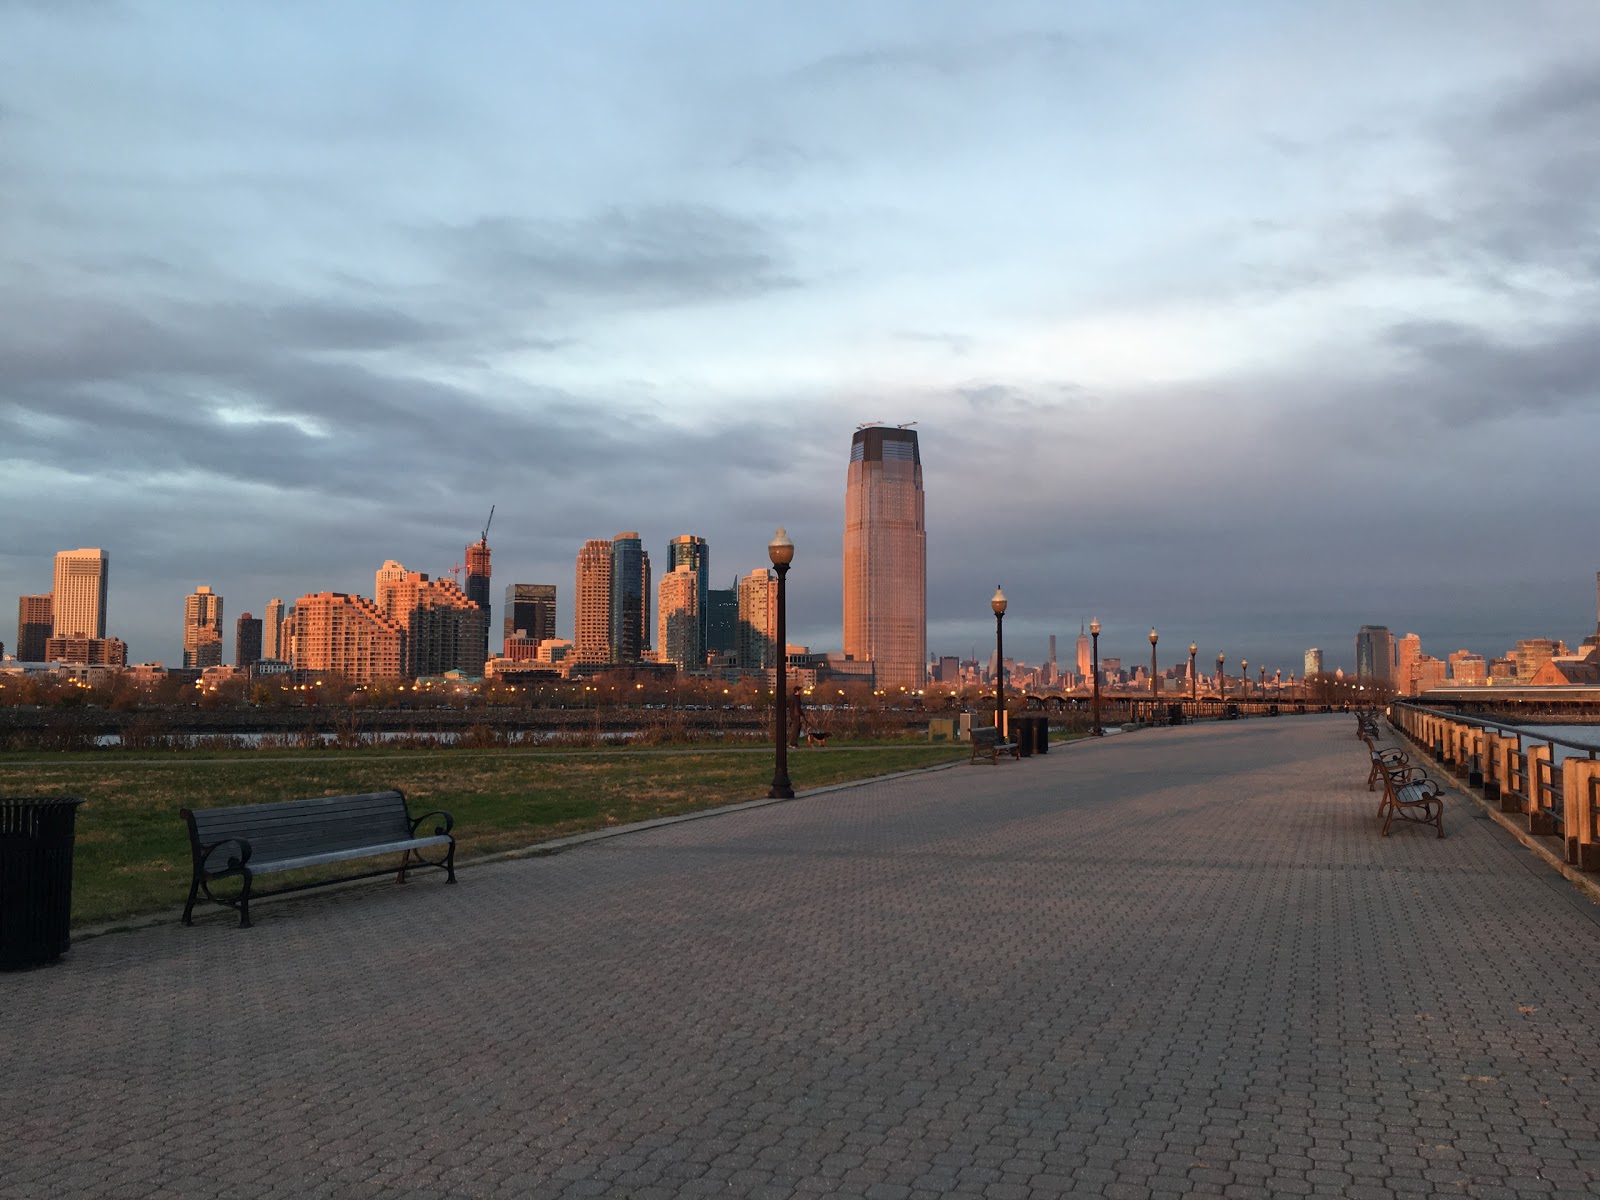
781	551
1094	634
1194	680
998	603
1155	682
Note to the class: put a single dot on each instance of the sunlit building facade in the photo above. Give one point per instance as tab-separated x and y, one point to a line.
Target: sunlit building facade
691	551
272	631
886	557
678	630
591	603
758	620
78	603
1313	663
202	629
444	629
347	635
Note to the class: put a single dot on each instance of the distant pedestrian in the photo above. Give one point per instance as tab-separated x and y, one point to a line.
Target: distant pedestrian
797	713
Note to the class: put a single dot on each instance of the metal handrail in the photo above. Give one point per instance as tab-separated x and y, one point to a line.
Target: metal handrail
1588	748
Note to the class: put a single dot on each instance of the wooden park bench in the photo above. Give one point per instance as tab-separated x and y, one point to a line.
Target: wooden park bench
1384	758
1408	793
986	741
267	839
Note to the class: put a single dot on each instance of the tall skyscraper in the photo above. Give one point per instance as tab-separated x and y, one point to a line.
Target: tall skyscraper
1313	663
630	598
691	551
1085	654
350	635
272	631
678	607
247	641
479	571
531	607
758	620
78	605
34	627
886	557
591	604
722	620
1375	656
202	629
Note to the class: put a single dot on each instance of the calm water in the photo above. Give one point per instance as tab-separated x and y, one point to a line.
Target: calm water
1588	735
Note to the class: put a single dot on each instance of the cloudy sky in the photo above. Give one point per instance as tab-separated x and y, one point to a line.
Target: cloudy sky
1253	321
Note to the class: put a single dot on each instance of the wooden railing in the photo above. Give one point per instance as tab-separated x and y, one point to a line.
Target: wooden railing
1553	782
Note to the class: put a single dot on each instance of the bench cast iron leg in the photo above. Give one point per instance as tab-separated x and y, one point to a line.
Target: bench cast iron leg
244	903
450	863
194	893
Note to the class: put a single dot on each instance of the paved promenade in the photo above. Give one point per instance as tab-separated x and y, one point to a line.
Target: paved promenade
1172	962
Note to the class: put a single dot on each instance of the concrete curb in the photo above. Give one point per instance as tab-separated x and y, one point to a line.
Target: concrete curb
543	849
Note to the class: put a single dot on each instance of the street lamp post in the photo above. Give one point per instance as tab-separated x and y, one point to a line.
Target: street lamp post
1194	680
1094	635
1221	658
998	603
1244	679
781	551
1155	682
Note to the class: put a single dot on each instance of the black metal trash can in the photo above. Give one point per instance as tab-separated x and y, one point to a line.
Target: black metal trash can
1041	735
1174	714
1019	732
35	879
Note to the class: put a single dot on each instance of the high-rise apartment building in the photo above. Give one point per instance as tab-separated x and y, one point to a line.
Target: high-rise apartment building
679	638
1408	653
444	629
78	603
247	638
758	620
34	627
272	631
630	598
692	552
1313	663
384	580
479	572
1375	656
886	557
591	604
722	620
202	629
349	635
530	607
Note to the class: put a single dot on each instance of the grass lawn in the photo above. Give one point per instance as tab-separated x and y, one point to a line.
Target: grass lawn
133	849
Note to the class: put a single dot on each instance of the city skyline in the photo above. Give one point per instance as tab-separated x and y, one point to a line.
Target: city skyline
775	226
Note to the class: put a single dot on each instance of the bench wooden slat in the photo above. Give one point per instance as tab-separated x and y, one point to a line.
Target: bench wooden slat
314	831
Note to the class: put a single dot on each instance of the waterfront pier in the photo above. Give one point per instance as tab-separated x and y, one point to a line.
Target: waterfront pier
1176	961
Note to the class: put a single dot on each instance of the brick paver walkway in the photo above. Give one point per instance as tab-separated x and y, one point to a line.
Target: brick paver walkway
1179	961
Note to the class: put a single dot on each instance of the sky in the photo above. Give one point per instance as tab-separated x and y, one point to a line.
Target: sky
1252	322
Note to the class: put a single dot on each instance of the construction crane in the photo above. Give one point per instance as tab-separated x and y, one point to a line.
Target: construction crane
482	541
